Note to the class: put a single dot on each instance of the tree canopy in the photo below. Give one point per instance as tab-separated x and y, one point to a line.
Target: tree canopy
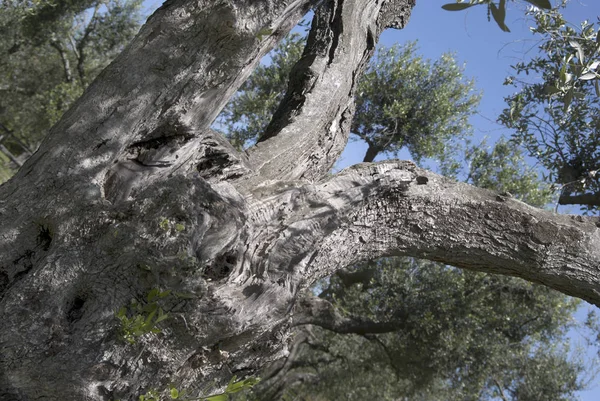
557	118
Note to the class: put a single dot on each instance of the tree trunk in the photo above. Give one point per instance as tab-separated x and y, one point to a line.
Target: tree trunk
131	193
372	152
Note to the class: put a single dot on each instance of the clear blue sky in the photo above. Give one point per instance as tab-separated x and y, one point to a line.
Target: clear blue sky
488	53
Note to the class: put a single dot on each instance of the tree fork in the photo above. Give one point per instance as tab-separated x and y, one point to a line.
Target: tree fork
131	193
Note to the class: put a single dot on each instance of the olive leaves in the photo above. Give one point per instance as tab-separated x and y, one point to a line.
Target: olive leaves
498	11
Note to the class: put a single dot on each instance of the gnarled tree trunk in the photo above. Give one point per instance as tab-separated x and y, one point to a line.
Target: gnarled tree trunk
132	192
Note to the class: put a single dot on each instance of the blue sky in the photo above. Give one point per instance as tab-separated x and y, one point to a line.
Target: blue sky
488	53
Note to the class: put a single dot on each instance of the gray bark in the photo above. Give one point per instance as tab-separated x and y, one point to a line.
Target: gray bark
132	191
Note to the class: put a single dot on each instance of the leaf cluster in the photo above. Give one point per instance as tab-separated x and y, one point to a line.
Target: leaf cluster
405	101
497	11
556	117
141	318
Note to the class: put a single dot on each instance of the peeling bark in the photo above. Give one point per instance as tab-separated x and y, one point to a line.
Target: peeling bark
132	192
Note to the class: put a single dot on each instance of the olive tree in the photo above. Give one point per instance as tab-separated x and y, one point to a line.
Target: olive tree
142	253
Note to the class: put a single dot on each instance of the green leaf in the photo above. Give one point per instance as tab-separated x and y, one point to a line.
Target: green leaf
161	316
264	32
457	6
174	393
231	382
122	312
551	90
153	293
544	4
499	14
568	99
562	74
579	50
587	76
185	295
164	224
148	322
218	397
597	88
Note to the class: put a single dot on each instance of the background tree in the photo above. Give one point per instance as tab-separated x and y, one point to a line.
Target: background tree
402	101
50	51
441	334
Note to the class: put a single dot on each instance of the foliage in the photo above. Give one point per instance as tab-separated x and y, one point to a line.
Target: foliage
141	318
234	386
498	11
501	167
556	118
50	51
463	336
402	101
150	395
406	101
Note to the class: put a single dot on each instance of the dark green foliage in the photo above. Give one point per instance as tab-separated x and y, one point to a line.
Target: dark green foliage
502	168
464	336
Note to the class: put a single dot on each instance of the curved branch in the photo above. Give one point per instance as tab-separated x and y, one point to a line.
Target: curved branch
311	126
395	208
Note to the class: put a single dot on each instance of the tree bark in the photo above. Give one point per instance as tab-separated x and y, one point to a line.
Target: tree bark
372	152
132	192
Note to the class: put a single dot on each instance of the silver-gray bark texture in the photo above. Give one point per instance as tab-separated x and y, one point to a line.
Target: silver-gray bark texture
131	191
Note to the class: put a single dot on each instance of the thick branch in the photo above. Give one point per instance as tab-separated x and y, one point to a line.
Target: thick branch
311	126
177	89
395	208
583	199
